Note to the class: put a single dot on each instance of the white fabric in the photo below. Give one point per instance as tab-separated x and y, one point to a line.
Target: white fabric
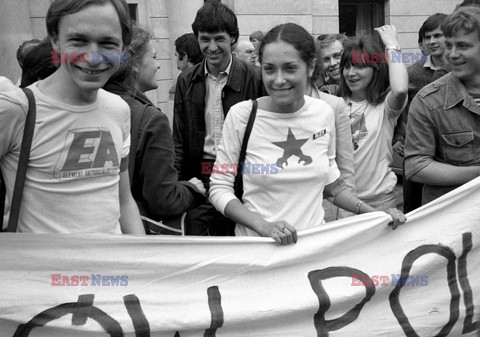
306	141
214	114
72	181
250	286
373	127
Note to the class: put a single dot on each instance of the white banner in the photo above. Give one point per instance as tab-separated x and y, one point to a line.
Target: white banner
354	277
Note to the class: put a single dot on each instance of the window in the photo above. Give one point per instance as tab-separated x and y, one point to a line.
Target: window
361	16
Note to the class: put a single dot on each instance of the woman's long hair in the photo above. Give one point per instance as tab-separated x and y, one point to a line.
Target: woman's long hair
128	71
364	50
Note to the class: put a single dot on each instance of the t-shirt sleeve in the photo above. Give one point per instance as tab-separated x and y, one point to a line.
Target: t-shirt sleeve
394	113
13	110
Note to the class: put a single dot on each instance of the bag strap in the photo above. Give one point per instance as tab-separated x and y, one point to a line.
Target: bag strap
22	164
238	185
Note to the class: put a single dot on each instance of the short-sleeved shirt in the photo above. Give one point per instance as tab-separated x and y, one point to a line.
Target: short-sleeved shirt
76	156
290	158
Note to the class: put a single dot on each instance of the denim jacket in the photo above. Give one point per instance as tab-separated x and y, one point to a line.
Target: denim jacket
443	126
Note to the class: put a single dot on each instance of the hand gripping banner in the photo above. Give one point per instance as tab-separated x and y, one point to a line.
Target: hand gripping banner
354	277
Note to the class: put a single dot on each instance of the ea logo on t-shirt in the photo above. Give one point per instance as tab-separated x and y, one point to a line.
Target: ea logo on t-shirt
87	152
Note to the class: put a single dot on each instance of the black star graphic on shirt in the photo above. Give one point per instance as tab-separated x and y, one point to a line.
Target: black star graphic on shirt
292	147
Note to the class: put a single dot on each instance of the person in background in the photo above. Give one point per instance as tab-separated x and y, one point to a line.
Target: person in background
256	38
343	143
203	96
331	47
443	124
24	48
38	63
375	91
187	51
22	51
420	73
245	51
292	140
154	180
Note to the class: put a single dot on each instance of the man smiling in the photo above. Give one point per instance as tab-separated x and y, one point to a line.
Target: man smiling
77	179
443	129
203	96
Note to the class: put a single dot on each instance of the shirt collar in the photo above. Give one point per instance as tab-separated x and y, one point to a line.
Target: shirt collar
428	63
456	92
226	71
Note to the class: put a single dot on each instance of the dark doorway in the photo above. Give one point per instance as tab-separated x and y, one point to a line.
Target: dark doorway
361	16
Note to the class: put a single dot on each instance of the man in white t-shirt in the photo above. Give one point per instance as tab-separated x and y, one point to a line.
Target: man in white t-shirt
77	179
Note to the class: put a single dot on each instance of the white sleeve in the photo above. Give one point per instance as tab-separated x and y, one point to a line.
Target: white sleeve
394	113
224	170
13	111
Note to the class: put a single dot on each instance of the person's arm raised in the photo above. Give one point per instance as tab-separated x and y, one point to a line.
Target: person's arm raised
398	75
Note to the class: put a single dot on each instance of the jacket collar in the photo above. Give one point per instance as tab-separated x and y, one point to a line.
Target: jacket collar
234	78
121	89
456	92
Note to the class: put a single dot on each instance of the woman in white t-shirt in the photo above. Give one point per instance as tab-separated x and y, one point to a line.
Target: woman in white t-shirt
374	85
290	158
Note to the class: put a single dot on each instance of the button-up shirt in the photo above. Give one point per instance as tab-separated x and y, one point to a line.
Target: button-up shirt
443	126
214	114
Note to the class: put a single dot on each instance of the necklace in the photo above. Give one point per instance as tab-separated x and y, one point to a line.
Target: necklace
350	104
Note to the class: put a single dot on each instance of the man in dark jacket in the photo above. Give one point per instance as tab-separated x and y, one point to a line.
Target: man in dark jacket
203	96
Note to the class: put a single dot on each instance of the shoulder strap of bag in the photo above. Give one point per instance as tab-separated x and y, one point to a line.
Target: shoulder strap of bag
238	185
22	164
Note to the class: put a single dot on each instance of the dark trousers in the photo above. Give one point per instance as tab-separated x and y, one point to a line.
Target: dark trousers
206	220
412	194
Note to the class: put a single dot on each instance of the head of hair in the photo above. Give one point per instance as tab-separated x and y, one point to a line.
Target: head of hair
187	45
327	39
60	8
37	64
465	19
469	3
24	48
293	34
421	34
258	35
378	88
128	71
433	22
215	17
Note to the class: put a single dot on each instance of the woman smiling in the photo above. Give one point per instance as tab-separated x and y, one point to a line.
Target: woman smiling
293	132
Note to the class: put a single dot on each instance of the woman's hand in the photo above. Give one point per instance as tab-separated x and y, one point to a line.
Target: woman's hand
198	186
399	148
397	216
388	34
281	231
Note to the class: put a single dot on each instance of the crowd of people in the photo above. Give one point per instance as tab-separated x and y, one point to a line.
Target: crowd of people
271	135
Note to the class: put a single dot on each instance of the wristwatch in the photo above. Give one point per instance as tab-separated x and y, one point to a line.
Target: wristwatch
395	47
